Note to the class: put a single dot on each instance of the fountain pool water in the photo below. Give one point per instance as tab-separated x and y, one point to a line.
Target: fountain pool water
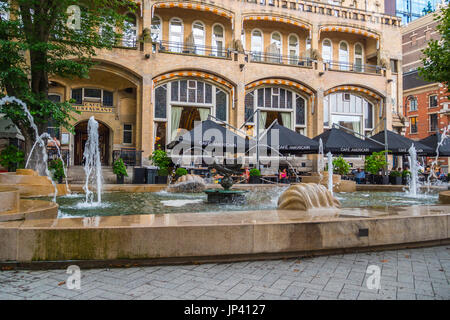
320	161
117	203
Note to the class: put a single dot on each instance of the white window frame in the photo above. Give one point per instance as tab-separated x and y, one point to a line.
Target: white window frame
202	44
176	46
344	64
293	59
281	44
215	50
361	67
331	51
125	40
257	54
160	32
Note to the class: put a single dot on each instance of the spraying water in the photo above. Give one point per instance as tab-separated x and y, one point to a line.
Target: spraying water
321	161
92	163
40	141
413	182
330	172
444	136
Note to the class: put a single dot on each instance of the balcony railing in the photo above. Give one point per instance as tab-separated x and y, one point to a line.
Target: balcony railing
185	48
130	157
330	10
353	67
131	43
279	59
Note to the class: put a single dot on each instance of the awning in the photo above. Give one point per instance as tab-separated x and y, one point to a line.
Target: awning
209	134
432	142
289	141
399	145
338	141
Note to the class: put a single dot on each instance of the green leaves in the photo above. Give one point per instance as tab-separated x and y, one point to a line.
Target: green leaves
375	162
341	166
119	168
160	159
436	61
12	158
56	168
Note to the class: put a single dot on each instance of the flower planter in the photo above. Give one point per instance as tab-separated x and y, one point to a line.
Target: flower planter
120	179
255	180
161	179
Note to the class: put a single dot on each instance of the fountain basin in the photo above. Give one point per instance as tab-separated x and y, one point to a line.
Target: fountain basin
30	184
444	197
10	200
218	236
339	185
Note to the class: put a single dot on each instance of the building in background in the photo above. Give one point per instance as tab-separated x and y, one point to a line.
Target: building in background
426	107
410	10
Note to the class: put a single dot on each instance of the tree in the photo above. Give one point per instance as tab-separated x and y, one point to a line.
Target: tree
428	9
40	39
436	61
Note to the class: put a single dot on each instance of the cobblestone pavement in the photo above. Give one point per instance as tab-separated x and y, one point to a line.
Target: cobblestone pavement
405	274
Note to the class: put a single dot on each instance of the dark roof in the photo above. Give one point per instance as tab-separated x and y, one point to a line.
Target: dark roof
338	141
412	80
289	141
398	144
432	142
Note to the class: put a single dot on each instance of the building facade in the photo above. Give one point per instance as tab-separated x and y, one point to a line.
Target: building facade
410	10
427	109
307	64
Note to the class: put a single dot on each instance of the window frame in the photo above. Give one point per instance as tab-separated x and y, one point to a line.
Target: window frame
136	32
123	133
331	50
217	53
173	45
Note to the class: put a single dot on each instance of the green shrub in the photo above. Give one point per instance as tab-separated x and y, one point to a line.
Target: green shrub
395	174
375	162
340	166
160	159
406	173
255	173
119	168
163	172
181	172
56	168
12	158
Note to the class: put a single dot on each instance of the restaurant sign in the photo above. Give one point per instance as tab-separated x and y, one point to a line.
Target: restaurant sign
93	107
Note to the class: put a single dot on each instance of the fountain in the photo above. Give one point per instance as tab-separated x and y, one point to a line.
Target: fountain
440	143
320	161
330	172
306	196
189	183
92	163
27	180
226	195
413	182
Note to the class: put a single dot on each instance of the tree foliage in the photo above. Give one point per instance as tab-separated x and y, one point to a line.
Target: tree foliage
43	39
436	61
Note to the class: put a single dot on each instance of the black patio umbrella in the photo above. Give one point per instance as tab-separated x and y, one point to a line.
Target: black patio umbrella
209	134
288	141
399	145
432	142
338	141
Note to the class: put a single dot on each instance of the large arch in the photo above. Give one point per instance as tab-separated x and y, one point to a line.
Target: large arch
349	29
276	18
374	94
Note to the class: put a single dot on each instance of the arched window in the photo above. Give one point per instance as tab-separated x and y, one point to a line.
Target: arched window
176	35
327	51
198	31
343	56
412	101
257	45
130	31
276	47
359	58
156	29
218	41
293	49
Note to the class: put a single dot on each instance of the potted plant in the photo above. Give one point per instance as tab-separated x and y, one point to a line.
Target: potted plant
374	164
340	166
56	168
395	178
255	175
161	178
160	159
406	175
120	170
12	158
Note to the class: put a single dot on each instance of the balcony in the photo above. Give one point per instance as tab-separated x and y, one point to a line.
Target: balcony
264	57
352	67
330	10
193	49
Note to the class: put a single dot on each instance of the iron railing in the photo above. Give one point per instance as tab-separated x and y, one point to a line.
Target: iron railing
255	56
186	48
353	67
130	157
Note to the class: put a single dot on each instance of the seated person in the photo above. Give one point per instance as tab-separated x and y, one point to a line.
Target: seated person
360	176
